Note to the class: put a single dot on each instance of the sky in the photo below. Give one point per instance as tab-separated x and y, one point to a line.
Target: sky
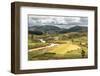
59	21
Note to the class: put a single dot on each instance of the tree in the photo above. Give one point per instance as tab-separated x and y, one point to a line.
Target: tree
35	33
83	53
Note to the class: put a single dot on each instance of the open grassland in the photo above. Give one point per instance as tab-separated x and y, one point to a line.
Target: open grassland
57	46
64	47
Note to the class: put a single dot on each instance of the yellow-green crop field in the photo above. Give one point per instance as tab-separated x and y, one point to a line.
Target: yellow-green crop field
58	46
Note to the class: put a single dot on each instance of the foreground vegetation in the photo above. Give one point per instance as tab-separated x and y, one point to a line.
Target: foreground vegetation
58	46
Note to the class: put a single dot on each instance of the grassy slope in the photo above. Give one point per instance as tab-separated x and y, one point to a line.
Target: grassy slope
66	49
63	48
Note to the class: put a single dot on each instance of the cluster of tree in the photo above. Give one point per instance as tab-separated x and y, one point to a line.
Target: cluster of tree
35	32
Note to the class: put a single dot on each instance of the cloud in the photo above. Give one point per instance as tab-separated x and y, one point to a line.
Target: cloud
60	21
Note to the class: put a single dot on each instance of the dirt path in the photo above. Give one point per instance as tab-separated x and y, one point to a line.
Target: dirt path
40	48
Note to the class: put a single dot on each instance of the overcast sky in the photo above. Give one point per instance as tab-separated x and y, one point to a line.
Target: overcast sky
60	21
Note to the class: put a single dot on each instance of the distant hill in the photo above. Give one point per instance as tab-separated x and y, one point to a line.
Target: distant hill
75	29
54	29
45	29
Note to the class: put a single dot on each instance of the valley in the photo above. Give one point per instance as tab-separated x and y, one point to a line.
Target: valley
57	46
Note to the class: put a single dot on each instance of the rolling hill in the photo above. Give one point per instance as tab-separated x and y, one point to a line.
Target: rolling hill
54	29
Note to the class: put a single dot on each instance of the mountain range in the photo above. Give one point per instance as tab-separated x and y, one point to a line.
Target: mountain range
54	29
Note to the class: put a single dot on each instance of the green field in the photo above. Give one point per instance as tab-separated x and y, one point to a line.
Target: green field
71	45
